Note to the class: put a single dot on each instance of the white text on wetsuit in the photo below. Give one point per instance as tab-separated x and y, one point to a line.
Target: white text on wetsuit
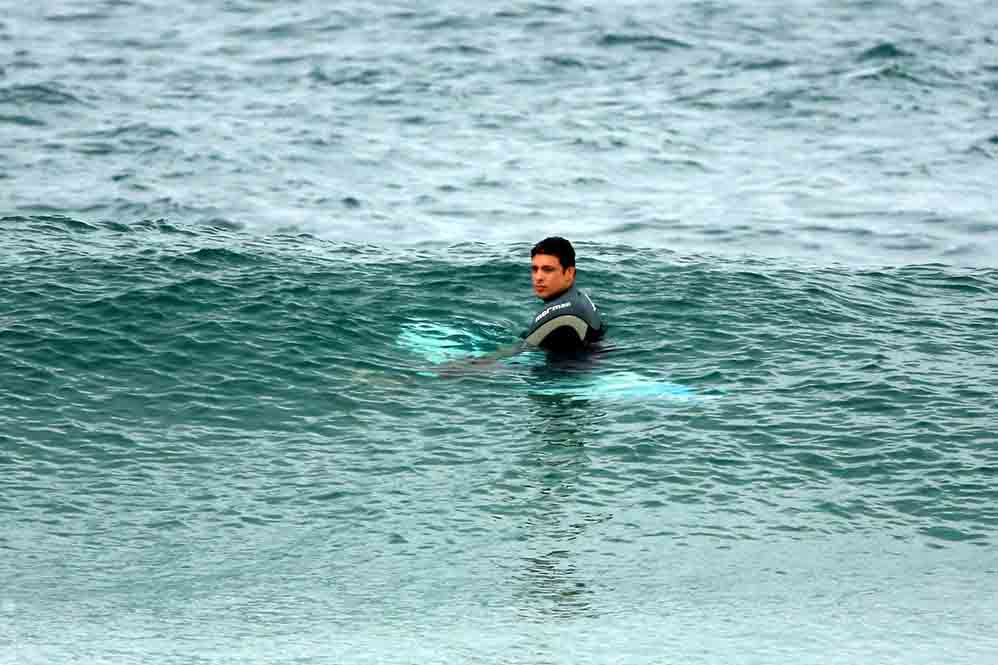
553	308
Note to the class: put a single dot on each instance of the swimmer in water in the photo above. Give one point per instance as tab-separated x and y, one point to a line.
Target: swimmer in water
568	323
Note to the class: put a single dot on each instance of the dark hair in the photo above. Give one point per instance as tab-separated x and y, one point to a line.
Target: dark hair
556	246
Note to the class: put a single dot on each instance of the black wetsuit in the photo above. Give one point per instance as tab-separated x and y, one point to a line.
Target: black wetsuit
569	322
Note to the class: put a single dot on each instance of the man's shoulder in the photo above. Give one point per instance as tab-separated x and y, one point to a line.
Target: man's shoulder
552	308
572	301
566	321
566	300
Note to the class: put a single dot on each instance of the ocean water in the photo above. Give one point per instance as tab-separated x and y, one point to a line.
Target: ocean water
219	223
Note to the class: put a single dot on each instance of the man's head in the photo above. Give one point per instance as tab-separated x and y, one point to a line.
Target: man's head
552	263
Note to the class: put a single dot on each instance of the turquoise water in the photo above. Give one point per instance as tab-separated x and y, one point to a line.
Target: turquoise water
215	448
218	445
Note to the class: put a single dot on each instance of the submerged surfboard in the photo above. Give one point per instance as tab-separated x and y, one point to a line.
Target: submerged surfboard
436	344
615	385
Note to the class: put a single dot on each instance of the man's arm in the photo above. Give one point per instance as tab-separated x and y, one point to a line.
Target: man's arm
479	363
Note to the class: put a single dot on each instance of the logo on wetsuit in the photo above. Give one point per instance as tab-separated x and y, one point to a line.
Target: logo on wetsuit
553	308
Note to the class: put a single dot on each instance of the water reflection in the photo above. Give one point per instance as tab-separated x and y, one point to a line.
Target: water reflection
551	581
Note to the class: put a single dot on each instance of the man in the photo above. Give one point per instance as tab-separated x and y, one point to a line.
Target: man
569	321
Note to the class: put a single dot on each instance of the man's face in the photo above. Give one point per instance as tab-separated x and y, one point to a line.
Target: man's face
548	275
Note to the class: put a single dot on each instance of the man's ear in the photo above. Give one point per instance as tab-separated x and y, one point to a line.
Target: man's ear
571	273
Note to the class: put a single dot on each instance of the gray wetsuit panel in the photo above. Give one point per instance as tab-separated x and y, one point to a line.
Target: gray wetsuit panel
567	322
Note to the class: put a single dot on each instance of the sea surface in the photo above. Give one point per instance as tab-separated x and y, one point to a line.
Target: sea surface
220	221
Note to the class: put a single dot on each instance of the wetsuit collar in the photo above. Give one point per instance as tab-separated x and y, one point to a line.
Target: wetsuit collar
559	294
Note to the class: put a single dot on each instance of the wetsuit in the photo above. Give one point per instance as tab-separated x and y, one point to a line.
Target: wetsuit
568	322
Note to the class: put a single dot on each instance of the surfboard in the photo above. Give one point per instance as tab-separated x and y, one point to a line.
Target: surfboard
437	343
620	385
431	343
